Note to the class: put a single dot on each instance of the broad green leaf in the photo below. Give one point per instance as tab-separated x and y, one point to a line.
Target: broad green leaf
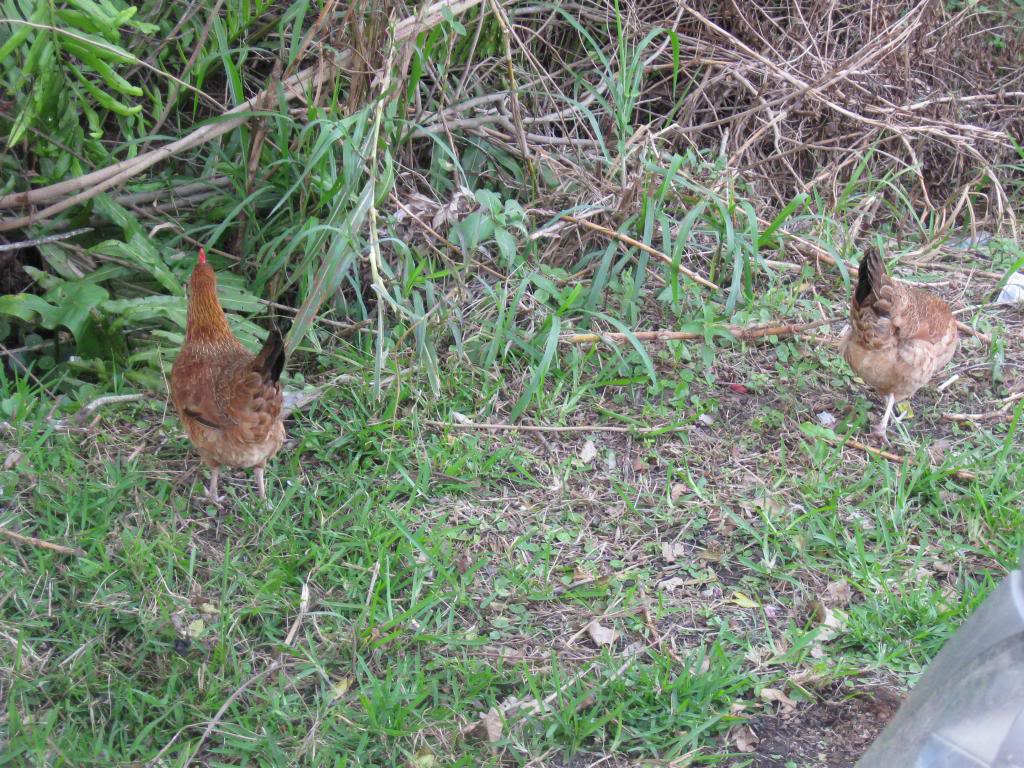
471	231
22	31
540	372
332	269
140	251
103	98
74	303
28	307
506	244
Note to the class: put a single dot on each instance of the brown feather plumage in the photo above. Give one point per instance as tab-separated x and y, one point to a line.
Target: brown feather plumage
899	336
228	399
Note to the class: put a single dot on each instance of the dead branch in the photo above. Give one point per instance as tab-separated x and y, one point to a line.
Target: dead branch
741	333
42	240
959	474
627	240
501	427
87	410
86	187
982	337
32	541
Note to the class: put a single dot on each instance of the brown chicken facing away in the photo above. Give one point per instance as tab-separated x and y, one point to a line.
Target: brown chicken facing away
899	336
228	399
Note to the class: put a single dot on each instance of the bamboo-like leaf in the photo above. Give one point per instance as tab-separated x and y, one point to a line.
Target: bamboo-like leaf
536	385
640	349
332	270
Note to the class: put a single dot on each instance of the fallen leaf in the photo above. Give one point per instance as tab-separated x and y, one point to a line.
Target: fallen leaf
340	688
826	419
832	622
601	635
674	583
745	739
837	594
937	450
785	703
588	452
492	725
12	459
634	648
423	759
809	678
670	552
743	601
757	654
710	555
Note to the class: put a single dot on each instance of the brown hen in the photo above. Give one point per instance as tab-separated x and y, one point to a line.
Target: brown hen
228	399
899	336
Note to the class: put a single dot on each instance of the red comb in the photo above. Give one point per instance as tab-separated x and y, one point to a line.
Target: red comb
202	255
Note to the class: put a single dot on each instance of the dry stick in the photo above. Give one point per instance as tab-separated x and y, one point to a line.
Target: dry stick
42	240
197	48
548	428
32	541
83	415
99	181
535	706
189	189
227	703
982	337
960	474
740	332
642	246
276	664
975	417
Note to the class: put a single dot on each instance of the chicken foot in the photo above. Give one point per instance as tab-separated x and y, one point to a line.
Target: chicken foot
212	490
880	429
261	487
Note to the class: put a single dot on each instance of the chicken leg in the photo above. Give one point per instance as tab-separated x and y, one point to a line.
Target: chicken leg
261	487
883	425
212	491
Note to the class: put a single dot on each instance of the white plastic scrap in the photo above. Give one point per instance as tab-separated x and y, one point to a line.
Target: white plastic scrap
1013	291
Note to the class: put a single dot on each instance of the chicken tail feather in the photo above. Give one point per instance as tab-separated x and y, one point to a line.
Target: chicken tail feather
871	279
269	363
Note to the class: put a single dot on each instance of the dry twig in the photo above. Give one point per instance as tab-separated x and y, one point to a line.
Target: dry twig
627	240
500	427
83	188
32	541
959	474
741	333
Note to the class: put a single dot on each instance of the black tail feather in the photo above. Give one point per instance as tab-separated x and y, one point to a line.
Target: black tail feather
870	275
270	361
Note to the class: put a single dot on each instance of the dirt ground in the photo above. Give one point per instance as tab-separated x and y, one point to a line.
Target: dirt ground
832	733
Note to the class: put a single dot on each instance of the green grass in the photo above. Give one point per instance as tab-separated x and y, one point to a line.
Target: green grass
450	570
406	578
